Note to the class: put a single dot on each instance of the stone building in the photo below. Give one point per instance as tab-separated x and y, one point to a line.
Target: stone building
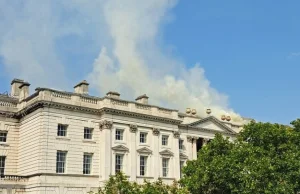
59	142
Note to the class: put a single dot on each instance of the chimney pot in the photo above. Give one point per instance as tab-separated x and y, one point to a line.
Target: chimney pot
82	87
112	94
15	84
142	99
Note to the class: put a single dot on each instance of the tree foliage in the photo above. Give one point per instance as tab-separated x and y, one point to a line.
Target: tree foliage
265	158
119	184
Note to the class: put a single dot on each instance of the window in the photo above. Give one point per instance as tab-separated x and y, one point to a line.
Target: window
88	133
164	139
62	130
119	162
87	163
3	136
181	166
143	137
143	165
165	166
60	161
2	166
181	144
119	134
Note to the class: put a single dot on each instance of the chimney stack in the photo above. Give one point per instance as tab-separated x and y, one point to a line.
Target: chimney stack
82	87
15	90
112	94
24	91
142	99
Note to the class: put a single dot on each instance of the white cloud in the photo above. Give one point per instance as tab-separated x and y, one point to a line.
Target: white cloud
131	60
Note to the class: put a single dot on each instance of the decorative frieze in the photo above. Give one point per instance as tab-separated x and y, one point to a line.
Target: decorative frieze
132	128
155	131
105	124
176	134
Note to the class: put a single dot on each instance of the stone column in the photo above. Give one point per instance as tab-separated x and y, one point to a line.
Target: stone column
195	148
190	147
133	154
105	149
176	168
156	157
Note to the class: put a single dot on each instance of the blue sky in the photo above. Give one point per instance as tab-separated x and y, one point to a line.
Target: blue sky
249	50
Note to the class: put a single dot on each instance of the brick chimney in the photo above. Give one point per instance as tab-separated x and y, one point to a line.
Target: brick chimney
24	91
15	90
142	99
82	87
112	94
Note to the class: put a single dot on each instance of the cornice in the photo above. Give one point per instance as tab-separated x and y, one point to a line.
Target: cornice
184	126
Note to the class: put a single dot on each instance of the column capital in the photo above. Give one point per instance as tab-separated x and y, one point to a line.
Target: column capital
155	131
176	134
189	138
132	128
105	124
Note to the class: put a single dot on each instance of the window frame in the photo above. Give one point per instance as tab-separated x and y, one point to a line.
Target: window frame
87	166
119	166
3	138
121	135
143	167
144	138
165	168
181	145
86	135
164	140
2	166
60	132
63	162
181	165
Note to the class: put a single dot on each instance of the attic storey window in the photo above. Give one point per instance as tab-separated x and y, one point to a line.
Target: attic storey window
62	130
3	136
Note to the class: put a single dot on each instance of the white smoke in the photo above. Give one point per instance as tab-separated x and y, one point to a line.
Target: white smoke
136	64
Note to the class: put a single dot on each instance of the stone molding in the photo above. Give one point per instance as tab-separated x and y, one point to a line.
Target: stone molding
120	148
144	150
166	153
105	124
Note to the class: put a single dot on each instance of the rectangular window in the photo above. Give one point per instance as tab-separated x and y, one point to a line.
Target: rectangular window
119	134
2	166
87	163
143	137
181	144
3	136
119	162
165	166
61	161
62	130
164	139
143	165
181	166
88	133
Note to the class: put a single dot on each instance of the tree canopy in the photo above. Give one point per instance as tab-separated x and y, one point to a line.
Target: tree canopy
265	158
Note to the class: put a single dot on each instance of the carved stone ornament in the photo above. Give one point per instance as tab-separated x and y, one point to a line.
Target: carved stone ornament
205	141
105	124
132	128
189	138
155	131
176	134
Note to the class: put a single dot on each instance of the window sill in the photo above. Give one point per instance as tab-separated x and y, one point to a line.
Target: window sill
145	177
88	141
120	142
4	144
144	144
165	147
63	138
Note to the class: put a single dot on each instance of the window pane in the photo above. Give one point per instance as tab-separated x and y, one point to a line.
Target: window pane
165	140
119	134
88	133
2	166
60	161
143	137
181	144
143	165
181	166
165	166
61	130
87	163
3	136
119	163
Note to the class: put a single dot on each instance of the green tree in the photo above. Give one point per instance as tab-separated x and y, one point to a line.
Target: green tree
119	184
265	158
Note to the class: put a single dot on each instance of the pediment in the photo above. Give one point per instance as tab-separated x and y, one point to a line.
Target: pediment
212	123
120	148
144	150
166	153
183	156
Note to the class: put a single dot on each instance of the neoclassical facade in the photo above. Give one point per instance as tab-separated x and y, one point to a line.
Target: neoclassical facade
55	142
